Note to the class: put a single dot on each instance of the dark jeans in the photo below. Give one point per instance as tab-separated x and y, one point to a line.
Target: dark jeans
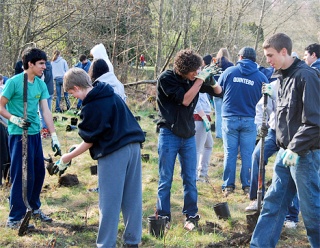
59	82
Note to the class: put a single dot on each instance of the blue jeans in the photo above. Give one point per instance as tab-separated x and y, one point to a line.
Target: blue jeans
59	82
218	119
43	123
304	179
169	146
237	131
270	147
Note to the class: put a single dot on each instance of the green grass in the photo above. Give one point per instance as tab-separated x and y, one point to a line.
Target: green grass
75	211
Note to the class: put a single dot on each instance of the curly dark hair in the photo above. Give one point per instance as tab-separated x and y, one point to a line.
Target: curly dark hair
187	61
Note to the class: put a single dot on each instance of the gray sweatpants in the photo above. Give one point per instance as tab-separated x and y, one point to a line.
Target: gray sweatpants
120	189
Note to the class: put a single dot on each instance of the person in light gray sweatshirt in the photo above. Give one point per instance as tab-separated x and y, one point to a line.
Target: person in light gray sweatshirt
59	68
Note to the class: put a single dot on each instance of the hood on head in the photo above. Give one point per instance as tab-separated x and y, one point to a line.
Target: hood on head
99	52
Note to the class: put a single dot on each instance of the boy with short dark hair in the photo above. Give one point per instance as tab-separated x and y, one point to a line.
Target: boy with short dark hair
297	164
312	55
113	136
11	107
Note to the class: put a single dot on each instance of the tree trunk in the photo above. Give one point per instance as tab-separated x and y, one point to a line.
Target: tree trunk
1	27
159	40
260	24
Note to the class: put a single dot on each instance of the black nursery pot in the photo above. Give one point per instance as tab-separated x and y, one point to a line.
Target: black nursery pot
156	226
94	169
74	121
70	128
222	210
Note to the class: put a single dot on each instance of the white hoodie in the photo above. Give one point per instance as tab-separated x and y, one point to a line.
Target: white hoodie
100	52
112	80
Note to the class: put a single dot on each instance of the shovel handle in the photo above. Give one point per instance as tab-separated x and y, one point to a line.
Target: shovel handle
261	160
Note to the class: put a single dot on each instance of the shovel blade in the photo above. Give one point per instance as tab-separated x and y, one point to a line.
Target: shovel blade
252	220
25	223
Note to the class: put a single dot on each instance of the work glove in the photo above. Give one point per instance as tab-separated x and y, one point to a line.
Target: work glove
206	123
20	122
267	89
262	131
60	167
289	158
55	144
208	72
210	81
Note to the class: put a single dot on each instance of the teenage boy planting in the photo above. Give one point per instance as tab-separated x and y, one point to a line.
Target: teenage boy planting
112	134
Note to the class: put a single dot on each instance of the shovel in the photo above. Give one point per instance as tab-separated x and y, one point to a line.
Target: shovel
253	218
25	222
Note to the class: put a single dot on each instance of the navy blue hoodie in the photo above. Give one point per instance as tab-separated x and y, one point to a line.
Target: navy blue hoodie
241	86
107	122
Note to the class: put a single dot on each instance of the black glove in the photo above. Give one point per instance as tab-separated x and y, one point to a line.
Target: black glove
262	131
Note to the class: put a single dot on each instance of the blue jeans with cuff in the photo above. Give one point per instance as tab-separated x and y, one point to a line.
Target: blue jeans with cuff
302	179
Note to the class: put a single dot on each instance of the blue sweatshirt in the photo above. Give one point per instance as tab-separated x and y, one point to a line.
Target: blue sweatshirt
241	86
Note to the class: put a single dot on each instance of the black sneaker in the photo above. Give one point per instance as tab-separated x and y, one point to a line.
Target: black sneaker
227	191
128	245
39	215
191	222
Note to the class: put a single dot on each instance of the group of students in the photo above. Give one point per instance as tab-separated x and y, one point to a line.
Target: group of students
113	136
204	146
297	129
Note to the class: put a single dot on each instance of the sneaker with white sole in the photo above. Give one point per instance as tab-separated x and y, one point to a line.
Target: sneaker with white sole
39	215
290	224
191	222
253	206
16	224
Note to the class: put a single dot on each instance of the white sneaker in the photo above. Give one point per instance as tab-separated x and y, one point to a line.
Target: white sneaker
290	224
253	206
